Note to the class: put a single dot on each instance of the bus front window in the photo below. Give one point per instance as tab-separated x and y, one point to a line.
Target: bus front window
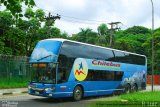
43	73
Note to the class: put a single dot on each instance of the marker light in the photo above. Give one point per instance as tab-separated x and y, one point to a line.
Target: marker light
39	65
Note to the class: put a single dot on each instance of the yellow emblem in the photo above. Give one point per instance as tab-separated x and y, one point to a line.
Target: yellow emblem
80	69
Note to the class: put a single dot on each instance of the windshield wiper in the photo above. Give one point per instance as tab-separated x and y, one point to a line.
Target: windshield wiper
44	57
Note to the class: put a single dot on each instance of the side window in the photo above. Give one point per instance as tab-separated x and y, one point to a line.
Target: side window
120	56
75	50
100	75
118	76
63	74
68	49
101	54
64	68
139	60
66	60
142	60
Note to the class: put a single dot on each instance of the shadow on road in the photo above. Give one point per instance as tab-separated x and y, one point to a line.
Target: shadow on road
65	100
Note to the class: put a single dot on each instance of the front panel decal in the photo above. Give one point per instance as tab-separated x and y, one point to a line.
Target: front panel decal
80	69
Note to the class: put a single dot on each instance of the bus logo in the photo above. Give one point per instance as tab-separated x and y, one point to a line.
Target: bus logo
80	69
100	63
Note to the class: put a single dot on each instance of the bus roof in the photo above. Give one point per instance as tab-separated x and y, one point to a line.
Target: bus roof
62	40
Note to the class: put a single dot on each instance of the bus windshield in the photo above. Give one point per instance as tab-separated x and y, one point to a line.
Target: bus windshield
43	73
46	51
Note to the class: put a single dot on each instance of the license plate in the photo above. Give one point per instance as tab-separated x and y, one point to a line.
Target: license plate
36	92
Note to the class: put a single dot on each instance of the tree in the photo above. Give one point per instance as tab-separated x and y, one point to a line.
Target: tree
137	30
31	27
132	43
15	6
102	30
18	37
86	35
132	39
147	45
6	21
29	13
14	42
64	35
39	14
103	33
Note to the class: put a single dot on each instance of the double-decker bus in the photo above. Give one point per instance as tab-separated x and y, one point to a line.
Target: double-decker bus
65	68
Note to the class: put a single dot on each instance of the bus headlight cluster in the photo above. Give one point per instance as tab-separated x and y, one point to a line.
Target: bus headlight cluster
50	89
30	86
47	89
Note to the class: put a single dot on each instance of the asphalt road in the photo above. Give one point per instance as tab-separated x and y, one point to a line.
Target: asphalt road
25	100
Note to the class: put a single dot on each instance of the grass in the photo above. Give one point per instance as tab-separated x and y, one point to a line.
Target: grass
12	85
14	82
137	99
142	96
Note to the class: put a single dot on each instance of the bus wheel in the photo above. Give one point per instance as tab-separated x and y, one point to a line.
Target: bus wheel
135	88
127	89
77	94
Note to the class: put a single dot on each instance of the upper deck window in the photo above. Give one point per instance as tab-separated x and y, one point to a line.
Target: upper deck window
77	50
129	58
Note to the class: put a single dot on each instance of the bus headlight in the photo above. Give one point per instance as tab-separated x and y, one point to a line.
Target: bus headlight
30	86
47	89
50	89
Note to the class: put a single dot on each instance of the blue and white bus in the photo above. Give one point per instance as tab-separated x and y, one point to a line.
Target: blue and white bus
65	68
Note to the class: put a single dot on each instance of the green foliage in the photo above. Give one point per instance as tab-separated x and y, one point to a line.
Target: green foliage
64	35
39	13
137	30
29	13
18	37
132	43
14	82
102	30
6	20
86	35
142	96
103	33
138	99
147	45
15	6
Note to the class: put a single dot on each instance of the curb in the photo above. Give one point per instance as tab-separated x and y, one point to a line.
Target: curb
13	93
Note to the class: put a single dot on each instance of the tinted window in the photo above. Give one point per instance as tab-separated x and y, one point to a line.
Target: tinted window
64	68
140	60
119	56
100	75
66	59
76	50
100	53
129	58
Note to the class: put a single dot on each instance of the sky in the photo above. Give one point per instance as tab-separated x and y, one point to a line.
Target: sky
76	14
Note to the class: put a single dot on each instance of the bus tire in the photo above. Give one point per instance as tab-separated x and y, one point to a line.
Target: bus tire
127	89
77	93
135	88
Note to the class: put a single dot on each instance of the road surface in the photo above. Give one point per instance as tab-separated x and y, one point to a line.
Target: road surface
25	100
